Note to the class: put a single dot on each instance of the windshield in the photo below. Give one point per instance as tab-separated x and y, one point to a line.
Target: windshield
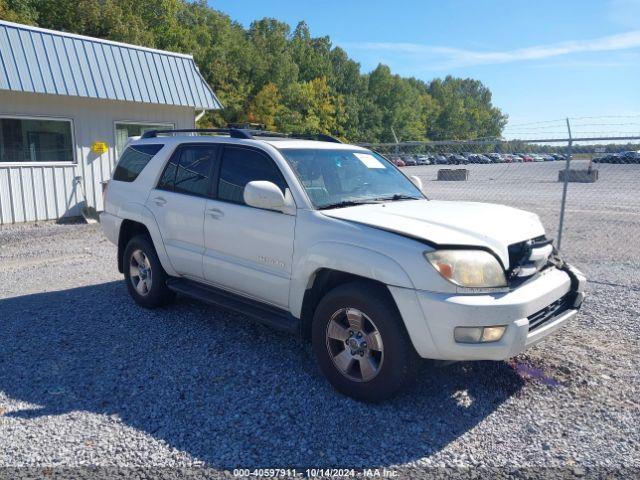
339	178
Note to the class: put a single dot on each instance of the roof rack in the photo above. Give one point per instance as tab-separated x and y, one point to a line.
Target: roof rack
232	132
322	137
244	133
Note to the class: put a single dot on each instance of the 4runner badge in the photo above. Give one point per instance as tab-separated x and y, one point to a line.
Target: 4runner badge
271	261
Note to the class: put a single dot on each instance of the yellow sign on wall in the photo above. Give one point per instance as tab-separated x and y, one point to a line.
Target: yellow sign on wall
99	147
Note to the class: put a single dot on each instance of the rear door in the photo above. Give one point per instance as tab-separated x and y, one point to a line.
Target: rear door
178	203
248	250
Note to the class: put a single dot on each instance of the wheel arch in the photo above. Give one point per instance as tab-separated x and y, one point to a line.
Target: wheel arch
323	281
146	225
128	230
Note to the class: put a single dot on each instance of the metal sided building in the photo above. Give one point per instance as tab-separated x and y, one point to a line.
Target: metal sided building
68	104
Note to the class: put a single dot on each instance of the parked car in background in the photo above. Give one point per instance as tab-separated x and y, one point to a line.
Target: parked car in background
423	160
456	159
410	161
630	157
397	161
479	158
526	158
440	160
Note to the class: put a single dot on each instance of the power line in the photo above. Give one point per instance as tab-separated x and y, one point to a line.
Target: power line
562	120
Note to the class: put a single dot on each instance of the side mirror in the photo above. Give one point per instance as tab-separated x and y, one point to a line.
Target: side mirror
265	195
416	181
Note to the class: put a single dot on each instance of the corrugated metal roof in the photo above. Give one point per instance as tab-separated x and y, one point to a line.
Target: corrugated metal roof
46	61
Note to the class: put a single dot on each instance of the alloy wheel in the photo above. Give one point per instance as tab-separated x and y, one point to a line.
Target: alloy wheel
140	272
354	344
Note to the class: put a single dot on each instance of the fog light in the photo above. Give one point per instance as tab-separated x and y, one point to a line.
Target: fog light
492	334
467	334
478	334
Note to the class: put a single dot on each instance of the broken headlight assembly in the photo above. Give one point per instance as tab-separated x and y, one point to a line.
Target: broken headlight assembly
468	268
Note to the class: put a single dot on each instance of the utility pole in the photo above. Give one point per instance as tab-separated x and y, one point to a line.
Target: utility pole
395	137
565	185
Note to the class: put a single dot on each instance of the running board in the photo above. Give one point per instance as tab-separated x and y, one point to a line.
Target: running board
272	316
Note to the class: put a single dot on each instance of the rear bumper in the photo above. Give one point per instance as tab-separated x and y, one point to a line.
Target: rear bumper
110	226
552	299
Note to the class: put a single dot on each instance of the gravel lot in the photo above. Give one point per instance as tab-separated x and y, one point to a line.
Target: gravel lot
87	378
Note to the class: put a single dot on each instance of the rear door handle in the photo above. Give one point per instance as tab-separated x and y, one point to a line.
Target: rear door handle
215	213
160	201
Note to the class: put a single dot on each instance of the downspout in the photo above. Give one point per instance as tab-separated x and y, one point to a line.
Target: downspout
200	115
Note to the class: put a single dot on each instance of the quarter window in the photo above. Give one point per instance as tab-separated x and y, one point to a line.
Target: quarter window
241	166
133	161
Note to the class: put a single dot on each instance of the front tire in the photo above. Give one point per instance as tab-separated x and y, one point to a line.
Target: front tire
361	344
144	275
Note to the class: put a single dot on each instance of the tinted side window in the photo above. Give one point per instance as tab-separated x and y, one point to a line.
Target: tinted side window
133	161
169	175
189	170
241	166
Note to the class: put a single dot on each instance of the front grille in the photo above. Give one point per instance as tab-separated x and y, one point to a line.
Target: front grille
528	258
549	312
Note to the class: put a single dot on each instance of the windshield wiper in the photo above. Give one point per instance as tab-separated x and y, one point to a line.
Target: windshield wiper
397	196
347	203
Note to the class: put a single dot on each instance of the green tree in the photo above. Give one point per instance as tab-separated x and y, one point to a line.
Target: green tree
20	11
287	80
265	106
399	102
309	108
465	112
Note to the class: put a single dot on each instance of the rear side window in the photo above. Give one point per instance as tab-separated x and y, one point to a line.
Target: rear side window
241	166
189	170
133	161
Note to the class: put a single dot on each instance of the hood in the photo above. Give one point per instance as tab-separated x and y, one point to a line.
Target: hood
449	223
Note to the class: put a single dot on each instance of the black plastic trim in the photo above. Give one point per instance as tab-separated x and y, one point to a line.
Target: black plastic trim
232	132
262	312
244	133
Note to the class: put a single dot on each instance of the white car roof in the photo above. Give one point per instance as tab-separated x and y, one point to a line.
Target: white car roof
279	143
286	143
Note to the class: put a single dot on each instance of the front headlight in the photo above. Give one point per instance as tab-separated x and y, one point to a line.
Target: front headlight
468	268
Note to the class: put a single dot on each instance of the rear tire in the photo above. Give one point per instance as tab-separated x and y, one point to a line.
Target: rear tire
144	275
361	344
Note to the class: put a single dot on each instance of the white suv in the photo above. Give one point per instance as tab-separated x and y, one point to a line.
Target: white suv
334	242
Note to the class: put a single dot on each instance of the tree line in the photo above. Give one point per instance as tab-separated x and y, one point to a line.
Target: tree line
286	79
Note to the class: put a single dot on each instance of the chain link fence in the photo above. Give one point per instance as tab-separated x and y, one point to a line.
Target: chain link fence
586	191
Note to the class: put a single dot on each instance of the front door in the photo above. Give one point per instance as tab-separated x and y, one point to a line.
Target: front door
178	204
248	250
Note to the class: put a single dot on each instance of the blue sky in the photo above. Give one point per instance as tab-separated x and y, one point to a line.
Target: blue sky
543	60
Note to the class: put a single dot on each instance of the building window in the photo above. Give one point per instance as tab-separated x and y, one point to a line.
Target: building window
125	130
35	140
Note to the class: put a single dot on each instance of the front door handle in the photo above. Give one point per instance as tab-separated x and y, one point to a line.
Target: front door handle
215	213
160	201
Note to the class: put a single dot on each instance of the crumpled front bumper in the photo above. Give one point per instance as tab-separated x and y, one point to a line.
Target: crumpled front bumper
431	317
